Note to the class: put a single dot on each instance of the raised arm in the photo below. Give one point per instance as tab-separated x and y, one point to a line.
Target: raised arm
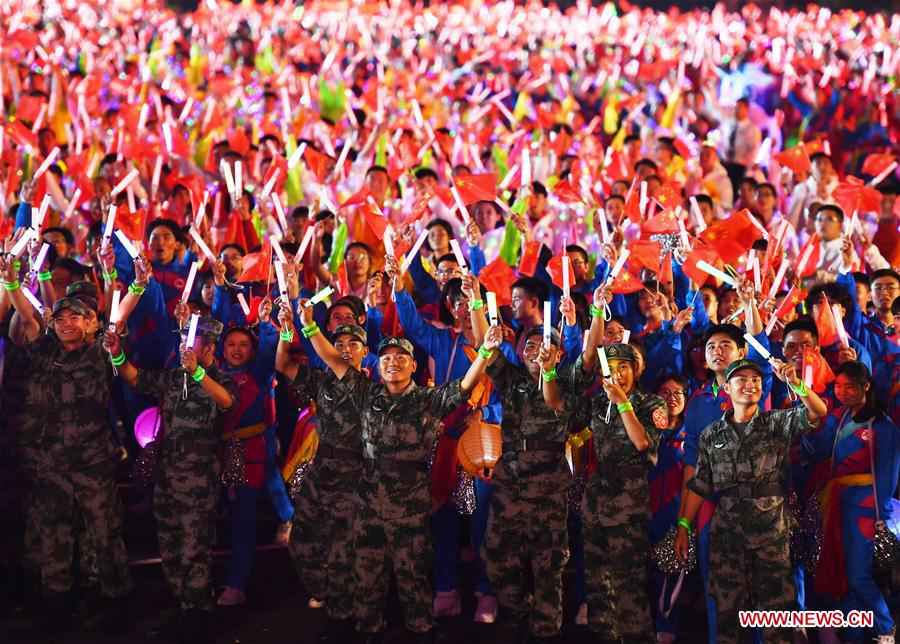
472	289
553	397
284	362
127	371
325	350
815	406
222	397
485	355
142	274
752	318
598	327
30	326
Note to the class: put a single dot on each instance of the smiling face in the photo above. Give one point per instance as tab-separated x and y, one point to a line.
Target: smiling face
162	245
623	374
396	366
721	351
674	395
486	216
613	333
849	392
796	343
438	240
745	387
352	349
238	349
523	305
530	351
339	316
70	326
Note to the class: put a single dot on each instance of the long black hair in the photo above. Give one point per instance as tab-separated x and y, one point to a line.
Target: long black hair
858	373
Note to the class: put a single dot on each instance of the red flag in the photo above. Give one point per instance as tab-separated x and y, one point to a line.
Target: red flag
132	223
626	283
317	162
644	254
256	265
731	237
796	158
789	303
390	323
29	108
707	254
825	323
854	195
822	375
239	142
376	223
555	270
665	223
498	277
530	256
669	194
875	164
811	246
567	193
357	199
664	273
22	135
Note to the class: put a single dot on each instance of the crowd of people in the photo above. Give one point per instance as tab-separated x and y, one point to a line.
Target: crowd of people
608	289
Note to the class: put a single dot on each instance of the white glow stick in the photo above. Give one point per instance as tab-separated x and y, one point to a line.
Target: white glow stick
808	375
279	211
801	266
565	270
756	279
192	331
698	216
278	251
38	218
73	203
779	277
296	156
604	223
307	239
110	222
642	205
604	362
493	315
115	313
759	226
189	284
41	256
157	171
127	245
407	259
626	336
457	252
282	282
51	158
17	250
269	185
771	324
525	174
459	204
620	263
389	241
715	272
884	173
203	247
201	211
839	323
760	349
243	302
238	178
683	233
167	136
229	178
124	183
320	296
36	303
132	207
185	112
547	325
345	150
509	177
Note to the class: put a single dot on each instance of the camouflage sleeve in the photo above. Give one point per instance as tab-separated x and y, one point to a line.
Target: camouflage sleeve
790	422
305	385
654	416
573	378
446	397
498	371
702	483
357	386
230	386
153	382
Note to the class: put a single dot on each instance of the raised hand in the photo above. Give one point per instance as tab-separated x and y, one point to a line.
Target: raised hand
494	338
188	359
567	308
143	270
285	316
306	313
785	372
471	288
613	391
218	271
682	319
473	234
548	357
264	312
112	343
182	313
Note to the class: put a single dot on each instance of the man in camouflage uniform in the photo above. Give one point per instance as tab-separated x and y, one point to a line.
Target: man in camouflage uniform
192	399
529	509
65	434
742	462
616	503
321	539
399	423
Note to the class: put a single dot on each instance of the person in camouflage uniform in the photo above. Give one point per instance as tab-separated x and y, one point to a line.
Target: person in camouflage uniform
321	539
625	423
66	388
742	462
399	425
529	508
192	399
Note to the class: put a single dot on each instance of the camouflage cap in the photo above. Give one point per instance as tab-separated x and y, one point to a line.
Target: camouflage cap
206	327
82	289
72	304
350	329
620	351
401	343
539	330
743	363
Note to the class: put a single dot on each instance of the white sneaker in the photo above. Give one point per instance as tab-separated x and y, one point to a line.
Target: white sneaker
486	611
447	604
581	615
315	603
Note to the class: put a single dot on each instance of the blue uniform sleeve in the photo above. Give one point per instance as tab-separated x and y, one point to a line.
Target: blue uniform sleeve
862	354
817	446
682	285
225	309
477	260
415	328
124	265
23	215
509	352
572	341
265	353
663	348
853	317
374	319
426	287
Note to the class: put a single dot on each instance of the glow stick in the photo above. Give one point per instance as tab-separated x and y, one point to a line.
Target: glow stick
110	221
565	269
189	284
167	136
36	303
756	279
525	173
493	315
192	331
683	234
457	252
771	324
73	203
839	323
238	178
617	268
345	150
884	174
142	117
132	207
157	170
808	375
201	211
229	178
320	296
51	158
188	104
407	259
278	251
38	218
296	156
124	183
509	177
759	226
760	349
203	247
604	222
779	277
643	198
41	256
279	211
307	239
801	266
115	314
389	241
282	282
698	216
127	245
459	204
604	362
269	185
243	302
17	250
715	272
547	310
626	336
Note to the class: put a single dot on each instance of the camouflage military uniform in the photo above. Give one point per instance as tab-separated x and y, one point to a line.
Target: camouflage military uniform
744	468
66	439
187	484
321	540
390	527
527	524
616	508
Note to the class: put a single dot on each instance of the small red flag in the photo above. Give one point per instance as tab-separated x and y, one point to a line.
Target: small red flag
530	256
498	277
555	270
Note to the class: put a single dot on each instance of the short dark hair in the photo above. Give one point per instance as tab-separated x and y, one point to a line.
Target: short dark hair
575	248
862	279
532	286
446	257
377	168
815	156
539	188
836	293
351	302
833	208
804	323
730	330
78	270
424	173
613	197
765	185
165	223
65	232
703	198
358	244
647	162
237	247
300	212
884	272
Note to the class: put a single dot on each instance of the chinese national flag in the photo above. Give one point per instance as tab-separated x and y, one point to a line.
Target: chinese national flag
811	246
669	194
256	265
707	254
796	158
476	187
633	203
357	199
238	142
854	195
22	135
789	303
875	164
626	283
665	223
29	108
317	162
555	270
566	193
376	223
644	254
530	257
132	223
825	323
498	277
822	375
234	234
731	237
664	273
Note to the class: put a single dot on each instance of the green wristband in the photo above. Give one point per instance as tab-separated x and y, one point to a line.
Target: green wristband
286	336
474	305
136	289
118	360
199	374
596	312
684	523
46	276
12	286
310	330
624	407
801	390
550	376
485	353
110	276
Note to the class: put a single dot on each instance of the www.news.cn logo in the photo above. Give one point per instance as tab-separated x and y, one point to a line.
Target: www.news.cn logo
806	619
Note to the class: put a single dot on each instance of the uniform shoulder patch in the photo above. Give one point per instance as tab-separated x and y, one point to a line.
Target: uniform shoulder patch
660	418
